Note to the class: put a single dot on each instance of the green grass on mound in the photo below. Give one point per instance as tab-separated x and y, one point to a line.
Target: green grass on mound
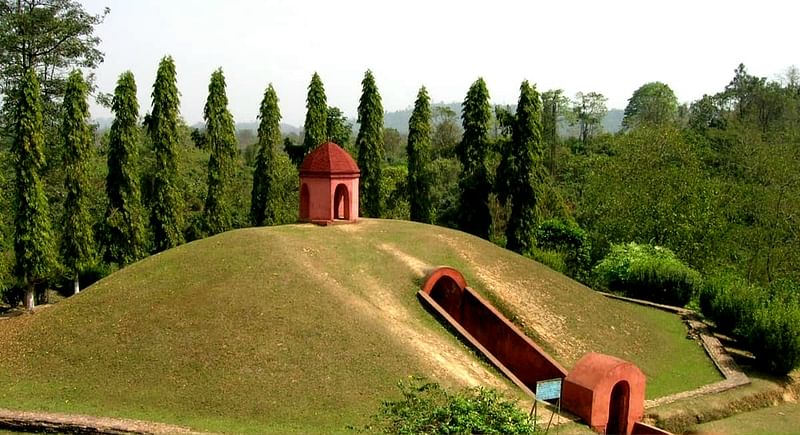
781	419
305	329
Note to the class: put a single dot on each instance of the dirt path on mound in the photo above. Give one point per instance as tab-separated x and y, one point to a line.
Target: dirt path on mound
419	267
443	357
73	423
532	311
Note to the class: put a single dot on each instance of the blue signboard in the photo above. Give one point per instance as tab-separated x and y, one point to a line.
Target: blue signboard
549	389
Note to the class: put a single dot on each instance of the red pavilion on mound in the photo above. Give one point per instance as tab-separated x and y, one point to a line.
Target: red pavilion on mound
329	186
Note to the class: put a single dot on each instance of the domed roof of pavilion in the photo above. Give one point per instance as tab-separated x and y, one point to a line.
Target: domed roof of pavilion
329	158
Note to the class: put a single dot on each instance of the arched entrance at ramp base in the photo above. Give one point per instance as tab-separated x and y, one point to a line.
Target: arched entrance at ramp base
606	392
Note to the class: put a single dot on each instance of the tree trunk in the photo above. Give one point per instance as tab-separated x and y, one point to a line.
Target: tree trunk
76	285
29	294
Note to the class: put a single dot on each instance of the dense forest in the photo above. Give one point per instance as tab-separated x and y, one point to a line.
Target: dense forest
691	204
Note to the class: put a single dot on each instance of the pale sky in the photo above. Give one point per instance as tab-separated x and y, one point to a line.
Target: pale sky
611	47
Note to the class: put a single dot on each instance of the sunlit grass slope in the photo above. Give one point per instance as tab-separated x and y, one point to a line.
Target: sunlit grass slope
305	329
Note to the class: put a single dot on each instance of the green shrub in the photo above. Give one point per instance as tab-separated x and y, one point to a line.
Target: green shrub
766	319
552	259
569	239
427	408
648	272
773	335
728	300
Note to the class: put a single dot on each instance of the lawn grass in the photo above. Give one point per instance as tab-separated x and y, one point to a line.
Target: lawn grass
776	420
303	329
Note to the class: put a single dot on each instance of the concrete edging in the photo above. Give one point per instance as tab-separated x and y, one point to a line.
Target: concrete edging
734	377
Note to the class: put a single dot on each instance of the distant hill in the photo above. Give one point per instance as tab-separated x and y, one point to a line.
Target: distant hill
253	126
398	120
105	124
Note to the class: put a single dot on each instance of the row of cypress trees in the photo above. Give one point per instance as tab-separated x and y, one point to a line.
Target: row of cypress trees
369	141
121	241
519	179
520	175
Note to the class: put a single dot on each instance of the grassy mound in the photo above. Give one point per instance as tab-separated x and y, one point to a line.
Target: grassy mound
305	329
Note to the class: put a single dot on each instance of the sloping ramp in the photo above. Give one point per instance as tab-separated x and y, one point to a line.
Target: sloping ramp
446	292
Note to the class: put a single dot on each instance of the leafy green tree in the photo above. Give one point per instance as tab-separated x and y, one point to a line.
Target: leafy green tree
369	143
653	103
77	242
123	239
33	241
446	132
339	129
269	138
165	210
475	184
418	151
221	135
589	109
49	36
394	146
553	105
315	128
523	167
706	113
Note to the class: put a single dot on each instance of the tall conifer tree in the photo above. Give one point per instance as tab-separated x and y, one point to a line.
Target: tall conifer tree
124	230
369	143
221	137
472	151
33	242
525	169
315	127
77	242
418	151
165	213
269	138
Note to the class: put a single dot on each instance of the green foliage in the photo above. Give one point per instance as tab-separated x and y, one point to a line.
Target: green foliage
554	104
427	408
572	242
550	258
652	189
445	192
269	139
727	299
475	184
166	217
33	240
123	230
221	136
284	201
338	128
315	128
369	143
588	111
394	192
648	272
653	103
766	319
523	166
446	132
773	335
77	241
418	152
52	37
